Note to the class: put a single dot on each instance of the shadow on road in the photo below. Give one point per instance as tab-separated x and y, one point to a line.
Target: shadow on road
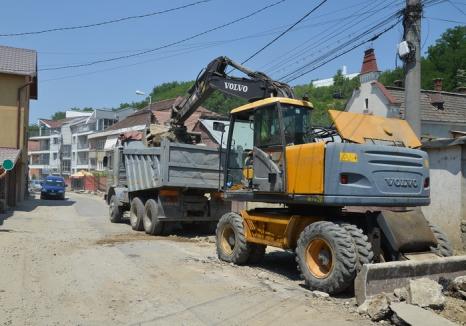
32	203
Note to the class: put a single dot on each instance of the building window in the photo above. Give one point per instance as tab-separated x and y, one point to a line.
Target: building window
55	141
367	103
55	156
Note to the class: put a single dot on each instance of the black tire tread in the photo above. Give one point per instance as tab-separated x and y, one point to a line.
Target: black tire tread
364	252
344	269
138	205
117	214
156	226
444	247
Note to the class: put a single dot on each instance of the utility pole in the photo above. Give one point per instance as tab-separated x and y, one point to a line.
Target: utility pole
412	35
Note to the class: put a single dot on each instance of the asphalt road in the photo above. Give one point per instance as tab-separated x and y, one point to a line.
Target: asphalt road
64	263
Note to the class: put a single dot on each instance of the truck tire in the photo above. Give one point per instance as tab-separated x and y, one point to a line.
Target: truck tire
443	248
152	224
230	240
115	211
326	256
363	247
256	253
136	214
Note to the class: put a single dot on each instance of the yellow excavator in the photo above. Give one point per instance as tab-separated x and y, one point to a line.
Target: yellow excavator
345	199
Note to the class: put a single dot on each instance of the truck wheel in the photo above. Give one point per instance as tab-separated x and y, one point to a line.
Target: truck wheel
443	247
136	214
363	246
256	253
326	257
115	211
230	240
151	222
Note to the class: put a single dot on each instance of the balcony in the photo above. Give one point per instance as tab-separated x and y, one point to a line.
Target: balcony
83	145
39	133
84	128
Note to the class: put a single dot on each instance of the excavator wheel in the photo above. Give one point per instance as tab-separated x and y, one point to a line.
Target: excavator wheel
136	214
327	257
363	247
230	240
443	247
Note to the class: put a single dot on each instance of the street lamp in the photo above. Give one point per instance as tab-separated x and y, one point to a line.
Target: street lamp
144	94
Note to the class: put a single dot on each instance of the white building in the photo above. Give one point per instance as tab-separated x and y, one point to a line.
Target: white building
63	145
329	81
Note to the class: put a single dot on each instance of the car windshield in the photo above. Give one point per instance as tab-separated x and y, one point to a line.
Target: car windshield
56	183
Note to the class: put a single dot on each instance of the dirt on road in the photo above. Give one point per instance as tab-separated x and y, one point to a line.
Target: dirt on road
64	263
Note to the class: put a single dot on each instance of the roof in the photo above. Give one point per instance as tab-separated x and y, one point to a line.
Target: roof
22	62
9	154
162	113
391	99
164	104
141	117
369	63
454	106
271	100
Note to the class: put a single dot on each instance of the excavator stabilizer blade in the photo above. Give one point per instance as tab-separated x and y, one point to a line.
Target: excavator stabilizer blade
385	277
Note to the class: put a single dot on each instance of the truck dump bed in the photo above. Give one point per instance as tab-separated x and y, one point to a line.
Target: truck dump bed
172	165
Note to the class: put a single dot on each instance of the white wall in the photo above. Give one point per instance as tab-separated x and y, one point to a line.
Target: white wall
378	104
446	191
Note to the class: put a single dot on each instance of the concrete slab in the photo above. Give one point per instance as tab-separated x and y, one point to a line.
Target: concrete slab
416	316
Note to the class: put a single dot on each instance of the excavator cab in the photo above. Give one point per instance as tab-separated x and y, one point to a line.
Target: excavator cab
258	136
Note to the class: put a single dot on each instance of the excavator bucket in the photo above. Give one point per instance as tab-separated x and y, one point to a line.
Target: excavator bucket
385	277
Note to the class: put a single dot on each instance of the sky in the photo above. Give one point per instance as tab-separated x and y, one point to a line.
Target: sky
108	84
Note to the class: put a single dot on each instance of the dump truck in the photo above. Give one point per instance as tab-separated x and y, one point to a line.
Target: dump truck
163	185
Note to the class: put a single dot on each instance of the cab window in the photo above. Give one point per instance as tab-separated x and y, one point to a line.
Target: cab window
267	127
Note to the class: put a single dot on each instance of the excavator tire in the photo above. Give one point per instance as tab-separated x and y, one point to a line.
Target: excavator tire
136	214
256	253
152	224
327	257
443	247
363	246
115	211
230	240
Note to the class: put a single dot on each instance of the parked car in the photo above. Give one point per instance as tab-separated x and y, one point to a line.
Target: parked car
35	185
53	187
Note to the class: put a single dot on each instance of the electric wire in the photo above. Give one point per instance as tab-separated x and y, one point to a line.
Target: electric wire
107	22
91	63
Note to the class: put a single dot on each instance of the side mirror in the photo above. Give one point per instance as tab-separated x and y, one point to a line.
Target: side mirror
219	126
105	161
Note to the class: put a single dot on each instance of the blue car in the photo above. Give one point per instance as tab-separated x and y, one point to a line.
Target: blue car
53	187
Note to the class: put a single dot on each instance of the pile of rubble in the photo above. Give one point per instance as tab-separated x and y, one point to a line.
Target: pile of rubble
416	304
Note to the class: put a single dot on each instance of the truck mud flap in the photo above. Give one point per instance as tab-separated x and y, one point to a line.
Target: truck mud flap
385	277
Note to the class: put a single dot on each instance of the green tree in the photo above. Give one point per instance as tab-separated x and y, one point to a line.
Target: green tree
58	115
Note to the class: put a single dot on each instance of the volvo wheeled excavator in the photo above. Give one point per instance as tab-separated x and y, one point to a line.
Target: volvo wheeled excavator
345	199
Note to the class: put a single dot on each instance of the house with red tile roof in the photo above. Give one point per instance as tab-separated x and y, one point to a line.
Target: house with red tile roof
442	113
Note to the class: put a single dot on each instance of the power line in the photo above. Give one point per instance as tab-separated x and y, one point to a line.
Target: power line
91	63
456	7
446	20
284	32
343	53
323	39
107	22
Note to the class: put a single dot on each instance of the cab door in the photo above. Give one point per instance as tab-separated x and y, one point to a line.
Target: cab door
268	151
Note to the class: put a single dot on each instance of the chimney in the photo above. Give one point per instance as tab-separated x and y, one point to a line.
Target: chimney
369	69
398	83
438	84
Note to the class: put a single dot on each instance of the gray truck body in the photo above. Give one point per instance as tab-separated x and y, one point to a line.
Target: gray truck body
181	177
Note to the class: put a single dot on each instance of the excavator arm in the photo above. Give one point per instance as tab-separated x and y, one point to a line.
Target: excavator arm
254	87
